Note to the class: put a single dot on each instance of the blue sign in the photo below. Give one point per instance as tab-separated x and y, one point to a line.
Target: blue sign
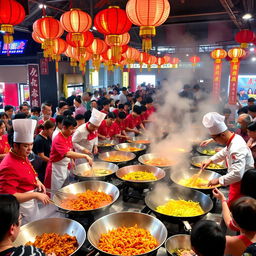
246	87
16	47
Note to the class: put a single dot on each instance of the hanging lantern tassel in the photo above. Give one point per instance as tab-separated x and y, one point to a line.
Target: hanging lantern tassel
96	62
158	68
76	37
149	67
115	42
146	33
8	29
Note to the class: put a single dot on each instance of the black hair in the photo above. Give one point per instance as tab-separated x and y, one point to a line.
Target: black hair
248	183
129	95
1	122
149	100
252	108
8	107
137	110
251	100
59	119
69	121
121	106
122	115
20	116
24	105
9	213
196	86
207	238
79	117
124	89
94	101
62	99
87	115
62	104
143	108
105	102
252	127
67	113
127	104
226	111
35	109
111	115
137	96
244	213
243	110
48	125
2	114
90	94
78	99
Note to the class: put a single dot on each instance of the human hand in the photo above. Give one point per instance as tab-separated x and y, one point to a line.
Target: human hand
89	159
42	197
205	163
213	182
95	150
206	142
41	187
218	194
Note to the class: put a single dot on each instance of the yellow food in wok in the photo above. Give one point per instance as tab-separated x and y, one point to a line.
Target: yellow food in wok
130	149
211	166
106	144
96	172
117	158
180	208
183	252
140	175
159	162
194	182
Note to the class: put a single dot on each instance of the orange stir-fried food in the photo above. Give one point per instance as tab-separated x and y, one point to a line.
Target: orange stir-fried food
61	245
142	141
130	149
127	241
159	162
117	158
87	201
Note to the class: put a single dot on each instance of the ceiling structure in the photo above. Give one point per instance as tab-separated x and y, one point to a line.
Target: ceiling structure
192	24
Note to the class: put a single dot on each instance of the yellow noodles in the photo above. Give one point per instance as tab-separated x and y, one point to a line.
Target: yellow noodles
195	183
180	208
139	175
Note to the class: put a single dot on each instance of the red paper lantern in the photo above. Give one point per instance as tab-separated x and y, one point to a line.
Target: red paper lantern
37	38
143	58
83	58
76	21
194	60
59	47
175	61
131	55
236	53
244	37
86	40
72	53
48	29
218	54
11	13
147	14
124	48
167	59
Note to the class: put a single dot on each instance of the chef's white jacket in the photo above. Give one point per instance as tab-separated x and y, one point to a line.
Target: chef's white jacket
238	157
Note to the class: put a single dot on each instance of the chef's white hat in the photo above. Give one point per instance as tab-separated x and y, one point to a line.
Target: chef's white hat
97	117
214	122
24	130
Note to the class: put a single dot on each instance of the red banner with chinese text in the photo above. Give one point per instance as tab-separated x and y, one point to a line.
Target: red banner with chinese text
216	80
34	86
234	71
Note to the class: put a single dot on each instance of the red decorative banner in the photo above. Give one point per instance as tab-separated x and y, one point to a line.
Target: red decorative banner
234	71
216	80
34	86
44	69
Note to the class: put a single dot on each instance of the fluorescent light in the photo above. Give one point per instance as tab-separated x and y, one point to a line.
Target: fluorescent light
253	59
251	49
247	16
201	81
1	31
93	28
187	54
41	6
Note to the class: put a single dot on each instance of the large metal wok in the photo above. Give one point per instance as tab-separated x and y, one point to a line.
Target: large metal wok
140	140
176	176
60	226
198	159
81	187
142	159
158	172
106	155
181	241
121	147
127	219
206	150
106	143
81	170
161	196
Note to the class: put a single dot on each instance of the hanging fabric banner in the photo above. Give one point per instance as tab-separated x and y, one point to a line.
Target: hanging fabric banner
34	86
216	80
234	71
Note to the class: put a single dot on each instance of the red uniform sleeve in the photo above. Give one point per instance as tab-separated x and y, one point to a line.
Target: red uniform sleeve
8	181
129	122
61	146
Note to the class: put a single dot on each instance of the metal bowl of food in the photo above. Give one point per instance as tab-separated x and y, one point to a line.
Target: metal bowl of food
137	149
98	171
117	157
140	140
156	160
81	187
188	178
59	226
140	176
106	143
209	150
127	219
179	245
197	160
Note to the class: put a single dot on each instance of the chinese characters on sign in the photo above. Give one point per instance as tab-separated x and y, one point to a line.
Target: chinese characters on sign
216	80
34	87
44	69
234	71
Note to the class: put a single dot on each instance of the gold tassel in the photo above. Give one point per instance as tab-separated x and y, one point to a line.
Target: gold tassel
244	45
76	37
7	28
146	33
57	65
8	38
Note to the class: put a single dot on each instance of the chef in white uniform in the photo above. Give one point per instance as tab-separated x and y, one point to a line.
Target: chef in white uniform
236	154
85	138
17	175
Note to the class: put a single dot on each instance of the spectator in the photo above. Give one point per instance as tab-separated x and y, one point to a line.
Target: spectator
8	109
4	145
138	100
80	119
62	107
70	99
95	96
24	108
243	110
79	108
252	112
58	127
242	123
35	113
115	95
46	108
122	96
86	100
207	239
4	117
106	106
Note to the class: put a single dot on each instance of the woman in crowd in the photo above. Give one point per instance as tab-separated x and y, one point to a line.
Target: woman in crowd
9	229
59	120
4	145
79	107
251	143
4	117
42	146
61	153
17	175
